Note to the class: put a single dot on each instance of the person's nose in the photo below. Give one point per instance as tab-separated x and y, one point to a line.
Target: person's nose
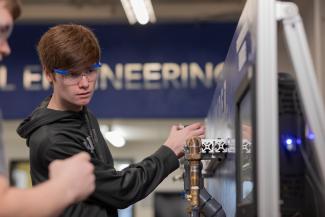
84	83
5	48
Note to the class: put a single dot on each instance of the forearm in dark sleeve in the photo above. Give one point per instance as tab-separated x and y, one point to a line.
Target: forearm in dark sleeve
120	189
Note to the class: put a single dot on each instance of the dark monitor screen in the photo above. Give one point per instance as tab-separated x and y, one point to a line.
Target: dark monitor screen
245	147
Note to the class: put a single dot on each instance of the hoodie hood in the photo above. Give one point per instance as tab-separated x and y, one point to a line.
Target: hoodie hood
42	116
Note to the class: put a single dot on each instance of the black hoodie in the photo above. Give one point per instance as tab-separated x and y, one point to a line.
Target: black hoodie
53	134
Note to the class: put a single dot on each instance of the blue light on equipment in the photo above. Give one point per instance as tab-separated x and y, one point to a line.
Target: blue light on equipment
290	144
289	141
311	136
298	141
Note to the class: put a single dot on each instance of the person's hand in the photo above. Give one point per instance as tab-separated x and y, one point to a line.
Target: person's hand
178	136
75	174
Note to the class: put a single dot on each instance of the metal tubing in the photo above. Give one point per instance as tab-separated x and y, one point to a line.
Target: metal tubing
193	155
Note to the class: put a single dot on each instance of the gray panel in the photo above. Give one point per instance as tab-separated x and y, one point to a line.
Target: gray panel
221	117
223	186
253	47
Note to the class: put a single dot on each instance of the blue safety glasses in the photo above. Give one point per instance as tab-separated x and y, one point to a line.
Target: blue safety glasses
73	78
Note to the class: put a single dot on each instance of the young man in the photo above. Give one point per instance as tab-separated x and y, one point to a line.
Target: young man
64	186
62	126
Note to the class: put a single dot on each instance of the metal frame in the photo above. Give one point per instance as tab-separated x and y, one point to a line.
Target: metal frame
309	90
267	111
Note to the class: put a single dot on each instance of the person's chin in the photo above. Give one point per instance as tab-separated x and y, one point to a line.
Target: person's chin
82	101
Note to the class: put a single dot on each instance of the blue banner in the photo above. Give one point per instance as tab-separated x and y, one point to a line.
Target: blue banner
155	71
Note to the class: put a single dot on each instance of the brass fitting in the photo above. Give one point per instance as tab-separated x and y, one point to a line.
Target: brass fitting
193	155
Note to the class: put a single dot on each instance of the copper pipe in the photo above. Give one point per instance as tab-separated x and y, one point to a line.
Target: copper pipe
193	155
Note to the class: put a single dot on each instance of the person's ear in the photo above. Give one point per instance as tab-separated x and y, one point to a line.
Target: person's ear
50	77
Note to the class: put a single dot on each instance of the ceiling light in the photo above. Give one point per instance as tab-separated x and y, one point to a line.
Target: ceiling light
120	166
140	11
114	137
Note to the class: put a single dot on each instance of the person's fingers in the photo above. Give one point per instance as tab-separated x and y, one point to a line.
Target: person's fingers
55	163
174	128
92	180
82	156
93	185
180	126
53	167
202	136
90	167
194	126
92	188
198	132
